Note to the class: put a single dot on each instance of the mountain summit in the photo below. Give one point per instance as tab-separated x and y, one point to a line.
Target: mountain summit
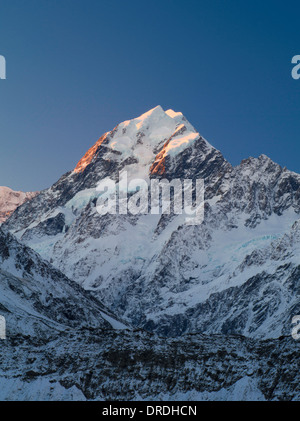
141	138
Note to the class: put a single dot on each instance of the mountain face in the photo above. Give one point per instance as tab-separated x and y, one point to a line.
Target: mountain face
63	344
39	301
10	200
235	273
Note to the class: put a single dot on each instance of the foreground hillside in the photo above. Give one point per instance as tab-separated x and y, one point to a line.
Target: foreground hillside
104	364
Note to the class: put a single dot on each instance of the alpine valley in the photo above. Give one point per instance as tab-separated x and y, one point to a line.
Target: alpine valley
146	306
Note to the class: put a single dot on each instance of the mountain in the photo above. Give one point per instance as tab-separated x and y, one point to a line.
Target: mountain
10	200
235	273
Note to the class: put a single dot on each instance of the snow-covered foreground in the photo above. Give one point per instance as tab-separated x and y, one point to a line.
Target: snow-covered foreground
127	365
44	389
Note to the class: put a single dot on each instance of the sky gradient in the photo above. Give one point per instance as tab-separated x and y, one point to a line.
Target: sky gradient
76	68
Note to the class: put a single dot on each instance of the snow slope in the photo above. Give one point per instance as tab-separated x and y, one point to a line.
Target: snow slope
38	300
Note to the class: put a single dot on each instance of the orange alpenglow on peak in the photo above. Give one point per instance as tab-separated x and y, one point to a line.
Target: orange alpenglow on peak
88	157
141	136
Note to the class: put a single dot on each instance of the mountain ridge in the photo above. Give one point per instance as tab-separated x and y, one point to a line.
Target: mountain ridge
10	200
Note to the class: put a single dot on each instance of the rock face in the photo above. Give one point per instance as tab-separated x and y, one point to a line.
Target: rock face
10	200
236	273
97	364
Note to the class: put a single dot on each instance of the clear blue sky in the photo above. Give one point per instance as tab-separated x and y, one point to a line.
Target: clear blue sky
76	68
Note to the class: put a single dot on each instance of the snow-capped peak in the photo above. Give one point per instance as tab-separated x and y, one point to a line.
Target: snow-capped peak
142	137
156	118
173	114
10	200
